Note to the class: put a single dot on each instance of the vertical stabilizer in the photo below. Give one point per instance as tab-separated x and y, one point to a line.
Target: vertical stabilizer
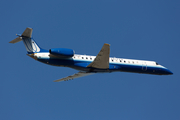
29	43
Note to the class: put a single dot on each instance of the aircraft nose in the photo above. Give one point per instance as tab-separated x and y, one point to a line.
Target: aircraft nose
168	72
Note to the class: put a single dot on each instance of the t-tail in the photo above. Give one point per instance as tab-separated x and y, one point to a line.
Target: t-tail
29	43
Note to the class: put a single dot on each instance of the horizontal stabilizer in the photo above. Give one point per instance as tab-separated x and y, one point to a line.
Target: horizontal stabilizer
16	40
77	75
102	59
27	33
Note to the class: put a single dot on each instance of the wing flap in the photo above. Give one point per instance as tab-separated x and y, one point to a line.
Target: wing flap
102	59
76	75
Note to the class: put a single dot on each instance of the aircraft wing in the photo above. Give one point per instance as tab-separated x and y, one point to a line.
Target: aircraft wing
102	59
77	75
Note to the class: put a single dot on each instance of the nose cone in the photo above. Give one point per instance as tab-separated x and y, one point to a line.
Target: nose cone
168	72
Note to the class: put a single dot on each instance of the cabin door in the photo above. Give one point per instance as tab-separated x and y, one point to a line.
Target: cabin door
144	66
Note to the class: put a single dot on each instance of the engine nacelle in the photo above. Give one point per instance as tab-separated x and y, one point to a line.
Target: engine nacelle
62	52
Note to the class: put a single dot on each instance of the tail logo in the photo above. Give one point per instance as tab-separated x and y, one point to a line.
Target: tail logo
30	45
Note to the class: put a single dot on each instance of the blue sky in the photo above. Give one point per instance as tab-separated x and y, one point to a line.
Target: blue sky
147	30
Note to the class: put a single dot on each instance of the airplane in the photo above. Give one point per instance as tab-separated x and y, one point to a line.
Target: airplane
87	64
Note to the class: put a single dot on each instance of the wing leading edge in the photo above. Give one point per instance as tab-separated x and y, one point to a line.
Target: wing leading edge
76	75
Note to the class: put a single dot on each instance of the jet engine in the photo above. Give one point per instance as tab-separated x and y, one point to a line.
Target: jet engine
62	52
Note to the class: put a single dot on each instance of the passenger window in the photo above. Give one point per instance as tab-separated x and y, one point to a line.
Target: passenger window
82	57
86	57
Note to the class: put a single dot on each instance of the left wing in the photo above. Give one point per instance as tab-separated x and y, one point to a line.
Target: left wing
77	75
102	59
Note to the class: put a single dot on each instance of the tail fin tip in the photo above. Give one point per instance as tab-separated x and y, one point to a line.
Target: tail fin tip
27	33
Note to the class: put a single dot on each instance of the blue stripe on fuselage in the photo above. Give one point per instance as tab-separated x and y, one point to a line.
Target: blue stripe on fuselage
124	67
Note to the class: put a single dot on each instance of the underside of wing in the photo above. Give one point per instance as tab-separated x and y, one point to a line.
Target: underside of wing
102	59
77	75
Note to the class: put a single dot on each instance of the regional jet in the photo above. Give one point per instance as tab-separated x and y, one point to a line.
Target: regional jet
87	64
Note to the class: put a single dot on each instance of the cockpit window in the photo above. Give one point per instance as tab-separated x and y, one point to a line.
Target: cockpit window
157	64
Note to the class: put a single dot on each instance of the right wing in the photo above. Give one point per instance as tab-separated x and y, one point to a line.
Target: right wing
77	75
